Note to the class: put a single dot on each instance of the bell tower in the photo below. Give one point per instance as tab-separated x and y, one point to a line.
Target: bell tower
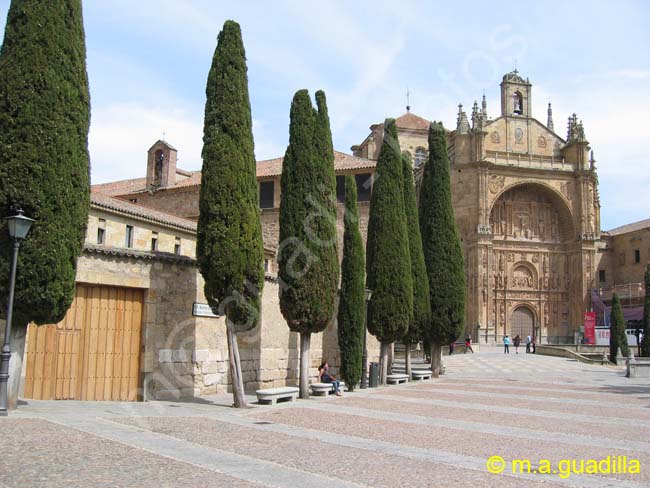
515	96
161	165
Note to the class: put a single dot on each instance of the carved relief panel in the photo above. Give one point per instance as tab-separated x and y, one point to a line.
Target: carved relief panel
525	213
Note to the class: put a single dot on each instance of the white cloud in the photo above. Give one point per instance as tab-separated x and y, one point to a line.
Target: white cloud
121	134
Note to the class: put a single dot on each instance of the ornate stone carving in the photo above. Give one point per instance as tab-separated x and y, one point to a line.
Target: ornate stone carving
526	214
519	135
496	183
495	137
522	278
541	141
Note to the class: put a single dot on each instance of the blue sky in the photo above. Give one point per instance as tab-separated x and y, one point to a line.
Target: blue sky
148	63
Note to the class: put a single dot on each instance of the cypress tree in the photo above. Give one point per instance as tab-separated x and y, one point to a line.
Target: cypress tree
307	256
388	261
617	336
421	302
645	343
442	252
352	312
44	163
229	235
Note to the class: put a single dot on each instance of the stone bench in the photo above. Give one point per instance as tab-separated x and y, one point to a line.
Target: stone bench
272	395
395	379
323	389
421	374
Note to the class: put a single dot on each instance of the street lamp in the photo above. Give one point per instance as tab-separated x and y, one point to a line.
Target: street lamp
18	226
364	358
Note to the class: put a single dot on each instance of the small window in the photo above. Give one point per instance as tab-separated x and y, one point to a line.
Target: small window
266	194
177	246
154	241
364	186
340	188
129	236
266	265
602	276
637	256
133	200
420	156
101	231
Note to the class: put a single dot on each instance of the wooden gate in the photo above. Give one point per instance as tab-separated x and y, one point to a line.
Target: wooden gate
523	322
93	353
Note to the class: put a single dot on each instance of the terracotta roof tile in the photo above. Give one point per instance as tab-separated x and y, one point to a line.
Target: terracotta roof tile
100	200
634	226
342	162
122	187
412	121
265	169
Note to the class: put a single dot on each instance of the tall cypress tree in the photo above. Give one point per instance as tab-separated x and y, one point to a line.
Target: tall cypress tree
421	302
442	252
645	343
617	335
388	261
229	234
44	164
352	312
307	256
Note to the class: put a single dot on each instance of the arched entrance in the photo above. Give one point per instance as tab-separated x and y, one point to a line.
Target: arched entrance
523	323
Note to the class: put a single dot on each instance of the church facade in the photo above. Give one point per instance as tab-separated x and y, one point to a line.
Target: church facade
527	210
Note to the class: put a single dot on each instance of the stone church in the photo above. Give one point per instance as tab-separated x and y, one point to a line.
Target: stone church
527	209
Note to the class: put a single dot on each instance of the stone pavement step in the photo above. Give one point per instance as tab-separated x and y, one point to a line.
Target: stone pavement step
237	466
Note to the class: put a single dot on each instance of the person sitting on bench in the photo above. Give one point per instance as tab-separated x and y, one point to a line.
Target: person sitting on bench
325	377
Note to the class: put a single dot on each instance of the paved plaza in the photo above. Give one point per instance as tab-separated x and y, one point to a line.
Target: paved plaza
433	433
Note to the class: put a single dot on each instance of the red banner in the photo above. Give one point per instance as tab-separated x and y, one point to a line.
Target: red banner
590	327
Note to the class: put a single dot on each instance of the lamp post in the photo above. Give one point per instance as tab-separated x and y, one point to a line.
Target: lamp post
364	358
18	226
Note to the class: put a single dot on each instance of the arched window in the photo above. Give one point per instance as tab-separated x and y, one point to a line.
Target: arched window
159	158
517	103
420	156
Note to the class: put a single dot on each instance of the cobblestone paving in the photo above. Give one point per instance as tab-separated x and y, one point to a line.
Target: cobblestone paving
422	434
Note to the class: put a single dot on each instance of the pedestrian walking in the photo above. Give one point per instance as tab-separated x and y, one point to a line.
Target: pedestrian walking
528	341
452	346
468	345
506	344
516	342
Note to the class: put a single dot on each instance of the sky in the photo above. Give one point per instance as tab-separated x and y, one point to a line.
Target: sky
148	63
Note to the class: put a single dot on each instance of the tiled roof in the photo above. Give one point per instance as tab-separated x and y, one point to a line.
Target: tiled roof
634	226
123	187
265	169
135	254
342	162
100	200
412	121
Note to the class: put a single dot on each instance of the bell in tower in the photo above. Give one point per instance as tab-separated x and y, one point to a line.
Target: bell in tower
161	165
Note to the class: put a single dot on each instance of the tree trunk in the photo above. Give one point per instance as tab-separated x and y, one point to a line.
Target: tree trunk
235	367
436	359
305	341
407	357
383	362
17	344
